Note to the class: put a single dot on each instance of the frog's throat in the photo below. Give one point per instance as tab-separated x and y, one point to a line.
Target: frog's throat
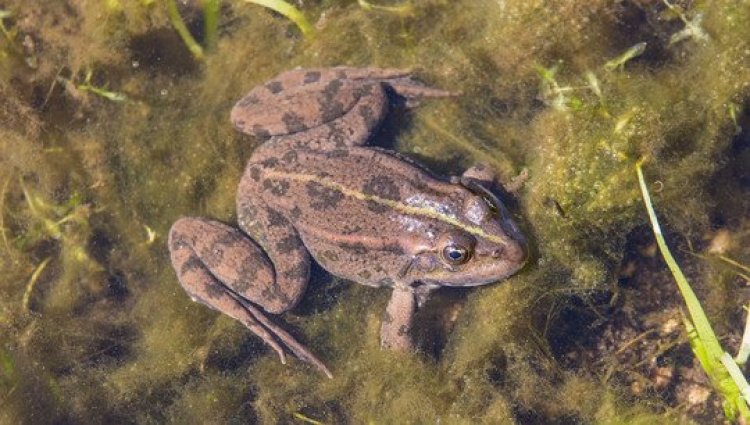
395	205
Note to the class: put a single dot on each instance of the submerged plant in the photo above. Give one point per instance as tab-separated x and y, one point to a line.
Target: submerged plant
290	12
211	9
402	10
182	30
718	364
87	86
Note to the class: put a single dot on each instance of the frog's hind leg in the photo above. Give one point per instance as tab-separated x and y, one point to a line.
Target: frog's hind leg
223	269
313	106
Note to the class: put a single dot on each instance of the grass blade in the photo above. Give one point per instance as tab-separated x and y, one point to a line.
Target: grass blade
290	12
703	341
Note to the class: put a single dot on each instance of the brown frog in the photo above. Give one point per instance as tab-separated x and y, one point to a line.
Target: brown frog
313	189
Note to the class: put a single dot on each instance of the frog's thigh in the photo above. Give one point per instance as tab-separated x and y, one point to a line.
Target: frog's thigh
280	242
395	331
212	259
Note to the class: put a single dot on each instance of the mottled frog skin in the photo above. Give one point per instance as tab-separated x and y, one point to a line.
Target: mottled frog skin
313	189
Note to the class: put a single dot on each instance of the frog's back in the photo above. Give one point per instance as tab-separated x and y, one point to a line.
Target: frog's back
355	206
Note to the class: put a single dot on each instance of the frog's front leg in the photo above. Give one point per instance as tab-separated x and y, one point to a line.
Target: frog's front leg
222	268
395	329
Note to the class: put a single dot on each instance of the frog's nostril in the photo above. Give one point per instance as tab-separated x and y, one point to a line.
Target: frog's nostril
496	253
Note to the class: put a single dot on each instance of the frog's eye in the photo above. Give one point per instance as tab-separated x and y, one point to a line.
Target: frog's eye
456	255
456	247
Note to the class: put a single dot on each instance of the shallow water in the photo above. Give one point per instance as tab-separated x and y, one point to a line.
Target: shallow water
111	130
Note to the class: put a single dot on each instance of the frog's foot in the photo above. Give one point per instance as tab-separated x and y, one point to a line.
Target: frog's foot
221	268
268	331
486	176
413	91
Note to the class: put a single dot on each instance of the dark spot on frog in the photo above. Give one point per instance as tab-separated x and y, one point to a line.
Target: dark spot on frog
355	248
368	116
254	173
329	92
270	162
311	77
276	187
293	122
336	135
177	241
274	293
347	229
193	263
299	271
214	289
338	153
403	330
275	218
330	256
420	186
228	239
289	244
295	213
289	157
363	91
247	101
382	186
246	212
259	131
364	274
275	87
376	207
321	197
248	275
331	110
393	248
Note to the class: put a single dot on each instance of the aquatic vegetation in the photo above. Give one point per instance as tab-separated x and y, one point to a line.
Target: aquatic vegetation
108	336
401	10
724	374
289	11
87	86
182	30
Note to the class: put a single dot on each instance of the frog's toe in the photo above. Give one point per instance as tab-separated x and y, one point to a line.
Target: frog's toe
413	90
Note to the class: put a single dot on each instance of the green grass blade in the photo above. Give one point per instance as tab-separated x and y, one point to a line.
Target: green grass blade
698	317
737	376
703	341
182	30
290	12
211	12
744	351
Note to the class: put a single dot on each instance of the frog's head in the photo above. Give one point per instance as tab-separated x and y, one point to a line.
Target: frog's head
481	245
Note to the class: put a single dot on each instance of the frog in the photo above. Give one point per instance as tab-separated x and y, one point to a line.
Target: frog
315	190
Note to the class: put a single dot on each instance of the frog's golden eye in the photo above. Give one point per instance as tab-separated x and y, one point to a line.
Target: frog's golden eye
456	255
456	247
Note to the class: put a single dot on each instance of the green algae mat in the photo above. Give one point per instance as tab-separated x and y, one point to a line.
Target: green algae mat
114	122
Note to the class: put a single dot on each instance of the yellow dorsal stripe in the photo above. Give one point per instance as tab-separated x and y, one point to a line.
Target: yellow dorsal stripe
396	205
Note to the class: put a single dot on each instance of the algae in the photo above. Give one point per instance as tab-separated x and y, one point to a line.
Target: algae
89	187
